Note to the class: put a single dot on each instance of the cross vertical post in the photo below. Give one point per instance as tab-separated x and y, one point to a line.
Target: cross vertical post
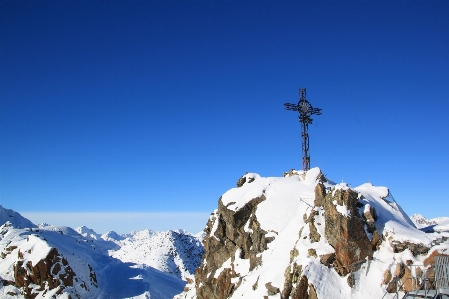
305	112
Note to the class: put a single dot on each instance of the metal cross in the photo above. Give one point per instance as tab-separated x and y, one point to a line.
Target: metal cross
305	112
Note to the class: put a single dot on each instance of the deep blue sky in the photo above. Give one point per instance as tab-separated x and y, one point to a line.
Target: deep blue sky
160	106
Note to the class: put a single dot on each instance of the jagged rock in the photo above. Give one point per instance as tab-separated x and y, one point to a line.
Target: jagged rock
312	252
346	233
312	292
291	172
313	235
387	276
292	277
241	181
351	280
327	259
300	291
256	284
271	289
46	272
222	244
320	194
416	249
370	213
376	241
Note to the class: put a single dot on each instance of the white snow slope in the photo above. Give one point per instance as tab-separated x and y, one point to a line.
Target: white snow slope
122	269
287	200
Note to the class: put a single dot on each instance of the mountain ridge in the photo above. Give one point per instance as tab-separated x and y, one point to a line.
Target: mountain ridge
302	236
45	261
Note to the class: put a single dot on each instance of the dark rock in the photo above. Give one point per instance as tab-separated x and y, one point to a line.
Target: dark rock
371	214
312	292
351	280
229	236
241	181
346	233
313	235
320	194
327	259
376	240
42	275
271	289
416	249
300	290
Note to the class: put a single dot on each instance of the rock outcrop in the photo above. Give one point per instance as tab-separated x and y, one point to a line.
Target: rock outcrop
229	234
52	271
304	237
345	230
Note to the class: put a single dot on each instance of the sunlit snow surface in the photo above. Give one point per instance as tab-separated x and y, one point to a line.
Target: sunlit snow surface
131	271
281	214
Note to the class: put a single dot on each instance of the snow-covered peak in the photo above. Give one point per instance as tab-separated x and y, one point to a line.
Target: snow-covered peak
88	233
140	234
112	236
438	224
420	221
44	224
15	219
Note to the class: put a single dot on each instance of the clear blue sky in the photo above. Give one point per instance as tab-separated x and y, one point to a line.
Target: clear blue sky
160	106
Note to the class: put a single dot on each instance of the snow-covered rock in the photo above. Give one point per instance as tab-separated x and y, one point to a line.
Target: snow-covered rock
303	236
177	253
15	219
439	224
61	262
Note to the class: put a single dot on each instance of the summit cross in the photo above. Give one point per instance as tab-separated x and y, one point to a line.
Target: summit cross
305	112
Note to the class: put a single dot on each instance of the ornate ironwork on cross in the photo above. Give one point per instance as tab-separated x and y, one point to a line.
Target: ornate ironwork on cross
305	112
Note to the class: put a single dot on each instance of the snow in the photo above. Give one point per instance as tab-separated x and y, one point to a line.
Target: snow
16	220
439	224
172	252
241	266
123	264
226	265
288	199
342	209
149	264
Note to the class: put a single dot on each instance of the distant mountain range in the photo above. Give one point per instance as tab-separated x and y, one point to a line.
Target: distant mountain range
44	261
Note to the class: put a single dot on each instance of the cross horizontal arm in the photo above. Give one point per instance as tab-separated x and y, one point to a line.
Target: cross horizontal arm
316	111
293	107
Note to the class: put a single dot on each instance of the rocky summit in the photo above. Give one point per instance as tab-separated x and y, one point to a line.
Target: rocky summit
302	236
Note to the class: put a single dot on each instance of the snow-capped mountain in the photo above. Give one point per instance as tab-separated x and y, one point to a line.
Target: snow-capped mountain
15	219
46	261
303	236
438	224
173	252
420	221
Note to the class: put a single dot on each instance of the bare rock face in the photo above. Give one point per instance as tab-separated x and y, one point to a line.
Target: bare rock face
52	271
225	235
345	233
